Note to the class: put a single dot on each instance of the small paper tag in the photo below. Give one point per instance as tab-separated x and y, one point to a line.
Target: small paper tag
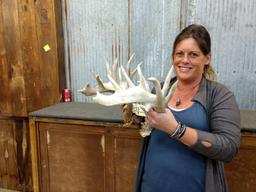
47	48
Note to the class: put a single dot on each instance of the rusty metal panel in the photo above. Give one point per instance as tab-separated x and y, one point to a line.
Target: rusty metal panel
232	25
154	26
95	31
98	30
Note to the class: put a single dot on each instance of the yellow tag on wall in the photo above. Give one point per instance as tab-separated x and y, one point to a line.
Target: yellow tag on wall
46	48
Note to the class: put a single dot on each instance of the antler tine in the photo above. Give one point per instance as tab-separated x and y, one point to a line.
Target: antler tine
129	81
114	68
135	70
171	91
109	72
143	81
87	90
103	87
128	67
100	83
114	83
160	100
168	78
120	79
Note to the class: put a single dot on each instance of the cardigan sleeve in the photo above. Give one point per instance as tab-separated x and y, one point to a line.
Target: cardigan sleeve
223	140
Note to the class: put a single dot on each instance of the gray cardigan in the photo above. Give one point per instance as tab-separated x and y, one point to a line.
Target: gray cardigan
224	137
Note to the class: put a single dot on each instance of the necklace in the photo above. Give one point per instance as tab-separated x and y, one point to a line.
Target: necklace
178	101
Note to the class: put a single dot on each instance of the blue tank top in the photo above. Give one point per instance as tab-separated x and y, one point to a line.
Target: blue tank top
170	165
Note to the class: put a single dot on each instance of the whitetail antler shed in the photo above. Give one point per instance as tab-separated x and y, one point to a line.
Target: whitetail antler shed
139	93
126	92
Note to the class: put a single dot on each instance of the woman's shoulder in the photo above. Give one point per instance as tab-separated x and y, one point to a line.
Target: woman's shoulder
220	95
218	87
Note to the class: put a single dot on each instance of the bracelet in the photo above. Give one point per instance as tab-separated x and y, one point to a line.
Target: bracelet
184	130
179	132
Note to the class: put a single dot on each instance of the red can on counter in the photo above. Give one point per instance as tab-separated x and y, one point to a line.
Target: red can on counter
66	95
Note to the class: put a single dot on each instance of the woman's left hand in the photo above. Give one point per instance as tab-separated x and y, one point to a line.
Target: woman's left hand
163	121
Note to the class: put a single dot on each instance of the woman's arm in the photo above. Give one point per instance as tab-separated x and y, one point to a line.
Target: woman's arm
223	140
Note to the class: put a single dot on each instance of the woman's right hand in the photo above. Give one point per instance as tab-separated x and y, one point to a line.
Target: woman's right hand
163	121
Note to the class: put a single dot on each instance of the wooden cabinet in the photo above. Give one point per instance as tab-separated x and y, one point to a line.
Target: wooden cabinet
85	147
241	172
81	155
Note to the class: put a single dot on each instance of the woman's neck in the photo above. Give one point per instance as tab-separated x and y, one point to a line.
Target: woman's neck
182	85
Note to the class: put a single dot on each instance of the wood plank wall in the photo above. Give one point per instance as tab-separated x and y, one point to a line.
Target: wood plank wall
15	163
30	77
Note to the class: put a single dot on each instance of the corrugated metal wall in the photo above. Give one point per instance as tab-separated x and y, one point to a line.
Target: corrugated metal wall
96	30
232	24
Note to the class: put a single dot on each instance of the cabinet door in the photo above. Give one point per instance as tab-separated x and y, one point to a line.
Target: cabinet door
72	158
126	145
241	172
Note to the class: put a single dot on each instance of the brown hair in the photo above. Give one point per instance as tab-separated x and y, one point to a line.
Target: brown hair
203	39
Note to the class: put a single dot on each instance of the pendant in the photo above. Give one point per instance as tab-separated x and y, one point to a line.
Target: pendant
178	102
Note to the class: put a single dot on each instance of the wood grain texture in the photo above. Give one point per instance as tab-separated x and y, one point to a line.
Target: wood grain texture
31	77
15	164
59	141
30	54
13	94
241	173
98	156
126	149
46	31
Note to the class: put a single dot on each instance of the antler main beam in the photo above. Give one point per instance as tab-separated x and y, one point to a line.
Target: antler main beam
124	91
137	94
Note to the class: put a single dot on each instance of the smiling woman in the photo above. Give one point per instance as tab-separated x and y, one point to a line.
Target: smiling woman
200	129
189	61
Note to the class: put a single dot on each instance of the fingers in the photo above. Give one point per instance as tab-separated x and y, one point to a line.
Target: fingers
152	114
156	119
152	117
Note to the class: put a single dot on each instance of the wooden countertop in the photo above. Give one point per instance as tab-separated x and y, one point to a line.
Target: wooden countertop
81	111
248	120
96	112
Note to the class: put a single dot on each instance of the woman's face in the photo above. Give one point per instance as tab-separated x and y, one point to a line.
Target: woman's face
189	60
